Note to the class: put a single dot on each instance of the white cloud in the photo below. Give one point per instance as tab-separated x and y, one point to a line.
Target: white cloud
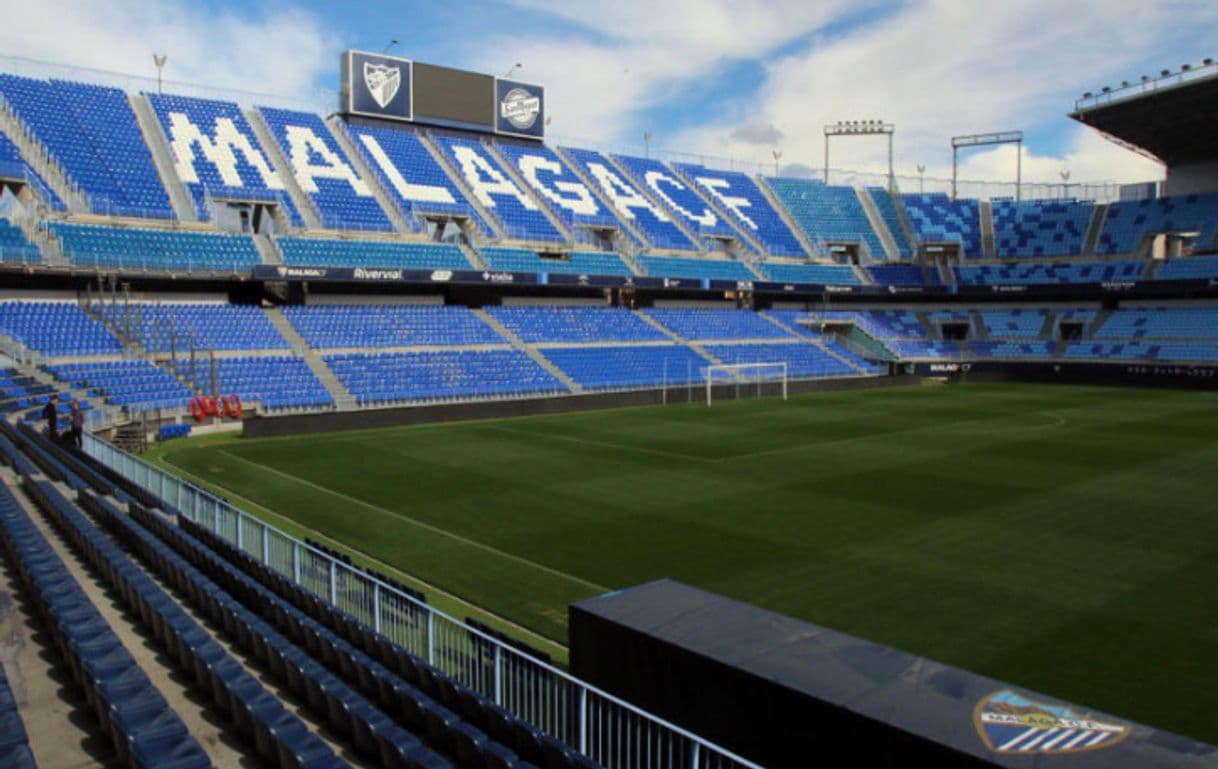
280	52
640	53
943	67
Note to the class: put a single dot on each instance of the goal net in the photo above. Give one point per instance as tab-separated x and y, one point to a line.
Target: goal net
745	380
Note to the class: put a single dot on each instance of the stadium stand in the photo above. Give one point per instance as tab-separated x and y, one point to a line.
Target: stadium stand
56	329
695	269
802	359
574	263
14	167
97	245
557	186
936	218
892	220
217	154
678	200
614	368
1035	228
441	376
827	213
315	252
901	275
91	132
819	274
1161	323
1128	222
1018	324
1015	350
415	181
1194	268
278	382
576	324
343	200
14	743
134	384
1047	273
14	247
740	196
519	216
206	326
701	324
629	202
331	327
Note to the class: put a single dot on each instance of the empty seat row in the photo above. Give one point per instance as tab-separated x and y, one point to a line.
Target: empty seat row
144	731
14	742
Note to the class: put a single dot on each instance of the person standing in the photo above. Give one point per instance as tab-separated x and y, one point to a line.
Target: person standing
77	420
50	413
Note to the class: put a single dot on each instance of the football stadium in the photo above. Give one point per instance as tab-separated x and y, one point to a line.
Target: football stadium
399	434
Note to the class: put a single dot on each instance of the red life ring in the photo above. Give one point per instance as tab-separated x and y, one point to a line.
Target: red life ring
232	406
197	410
211	407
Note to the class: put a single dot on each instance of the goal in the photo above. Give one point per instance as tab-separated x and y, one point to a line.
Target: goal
749	379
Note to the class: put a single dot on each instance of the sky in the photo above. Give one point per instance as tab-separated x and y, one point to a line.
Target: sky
713	79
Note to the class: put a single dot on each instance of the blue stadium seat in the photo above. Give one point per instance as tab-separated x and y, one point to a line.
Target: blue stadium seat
740	196
1040	228
135	384
56	329
888	212
1128	222
820	274
680	201
352	326
442	376
576	324
372	253
276	381
14	247
803	360
343	200
217	154
100	246
695	269
1015	273
903	275
938	219
574	263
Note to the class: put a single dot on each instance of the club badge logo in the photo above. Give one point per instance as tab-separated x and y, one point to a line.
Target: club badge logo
383	82
1013	724
520	108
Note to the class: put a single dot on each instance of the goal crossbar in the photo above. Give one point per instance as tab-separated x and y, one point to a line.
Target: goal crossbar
745	374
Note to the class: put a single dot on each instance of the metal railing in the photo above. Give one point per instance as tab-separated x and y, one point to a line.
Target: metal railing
603	727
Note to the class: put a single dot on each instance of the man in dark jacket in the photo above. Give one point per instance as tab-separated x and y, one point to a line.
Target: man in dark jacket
50	413
77	420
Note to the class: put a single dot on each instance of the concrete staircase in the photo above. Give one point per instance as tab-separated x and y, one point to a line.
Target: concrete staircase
37	157
1094	228
979	328
876	219
1049	326
529	350
339	130
304	204
268	249
1097	323
38	235
343	399
179	198
678	339
473	256
989	246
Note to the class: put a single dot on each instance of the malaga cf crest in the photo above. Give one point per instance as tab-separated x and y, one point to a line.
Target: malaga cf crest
383	82
1013	724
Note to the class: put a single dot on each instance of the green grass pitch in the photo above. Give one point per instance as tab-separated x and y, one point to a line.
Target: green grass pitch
1061	538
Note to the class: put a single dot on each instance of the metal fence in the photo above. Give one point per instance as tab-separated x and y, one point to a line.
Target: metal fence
607	729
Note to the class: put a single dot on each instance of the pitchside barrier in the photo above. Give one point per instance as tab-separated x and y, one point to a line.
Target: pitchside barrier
603	727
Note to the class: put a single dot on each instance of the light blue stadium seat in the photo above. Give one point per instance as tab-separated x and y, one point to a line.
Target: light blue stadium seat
937	219
212	326
1194	268
700	324
892	220
134	384
1040	228
372	253
14	247
574	263
826	212
695	269
14	167
277	381
740	196
679	200
576	324
1128	222
101	246
822	274
609	367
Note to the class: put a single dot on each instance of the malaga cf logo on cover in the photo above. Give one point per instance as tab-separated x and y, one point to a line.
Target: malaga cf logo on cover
383	82
1013	724
520	108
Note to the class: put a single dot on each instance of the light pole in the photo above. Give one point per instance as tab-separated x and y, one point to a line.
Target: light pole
392	42
1065	175
777	156
512	71
647	144
921	179
159	60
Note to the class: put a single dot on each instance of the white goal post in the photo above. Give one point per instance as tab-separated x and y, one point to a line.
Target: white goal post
750	376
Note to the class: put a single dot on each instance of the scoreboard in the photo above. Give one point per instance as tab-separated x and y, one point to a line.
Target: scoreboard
391	88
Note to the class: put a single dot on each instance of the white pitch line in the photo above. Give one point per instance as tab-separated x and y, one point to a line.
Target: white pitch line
605	444
420	524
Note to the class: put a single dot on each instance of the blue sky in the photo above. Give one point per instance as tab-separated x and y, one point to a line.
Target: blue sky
713	78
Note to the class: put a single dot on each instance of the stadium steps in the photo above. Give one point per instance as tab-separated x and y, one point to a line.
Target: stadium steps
513	173
677	220
876	220
600	195
930	330
679	339
268	249
343	399
304	204
217	743
339	130
473	256
1097	323
497	233
947	276
864	277
1046	330
799	232
1095	228
182	202
985	212
912	236
980	330
529	350
1150	269
37	157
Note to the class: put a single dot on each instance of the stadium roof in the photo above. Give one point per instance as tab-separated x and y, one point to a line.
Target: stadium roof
1171	119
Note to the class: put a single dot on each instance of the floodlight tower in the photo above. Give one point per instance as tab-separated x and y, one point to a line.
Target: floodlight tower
159	60
985	140
861	128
